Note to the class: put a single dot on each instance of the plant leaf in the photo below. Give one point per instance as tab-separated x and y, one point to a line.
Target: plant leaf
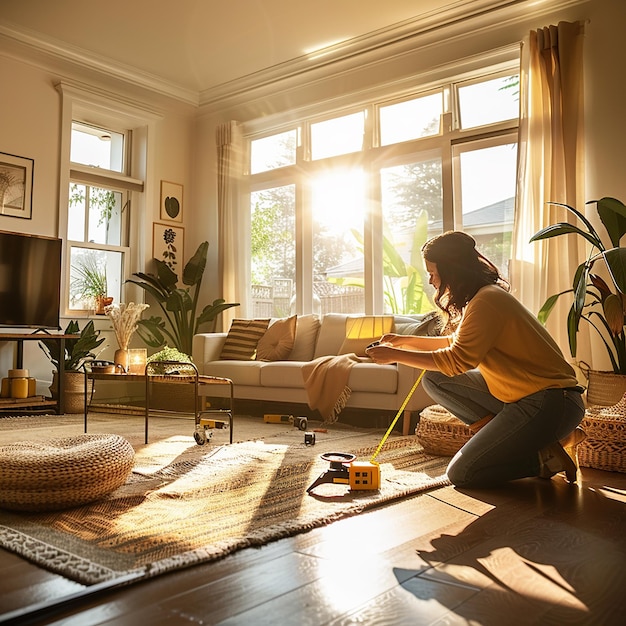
612	212
564	228
548	305
193	271
211	311
616	264
167	278
573	320
151	286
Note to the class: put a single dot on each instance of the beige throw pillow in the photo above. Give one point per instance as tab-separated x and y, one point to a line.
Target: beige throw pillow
242	339
277	342
361	331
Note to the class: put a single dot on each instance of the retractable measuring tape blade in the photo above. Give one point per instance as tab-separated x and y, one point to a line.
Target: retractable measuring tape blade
398	414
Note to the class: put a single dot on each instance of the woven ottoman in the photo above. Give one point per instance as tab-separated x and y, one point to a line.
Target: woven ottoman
441	433
62	473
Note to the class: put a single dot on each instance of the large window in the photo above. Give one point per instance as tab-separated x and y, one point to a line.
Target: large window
97	226
341	205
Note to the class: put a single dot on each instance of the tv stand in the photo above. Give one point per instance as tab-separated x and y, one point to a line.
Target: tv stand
37	401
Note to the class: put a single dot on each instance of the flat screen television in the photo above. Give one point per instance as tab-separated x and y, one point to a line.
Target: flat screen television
30	280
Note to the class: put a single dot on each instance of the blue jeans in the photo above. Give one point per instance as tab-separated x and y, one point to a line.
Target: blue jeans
508	447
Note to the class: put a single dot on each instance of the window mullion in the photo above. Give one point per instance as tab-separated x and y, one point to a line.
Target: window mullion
447	174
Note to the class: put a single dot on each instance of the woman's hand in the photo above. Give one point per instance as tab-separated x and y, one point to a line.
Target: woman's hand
391	339
383	354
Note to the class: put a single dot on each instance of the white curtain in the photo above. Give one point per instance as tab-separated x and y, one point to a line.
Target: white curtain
550	170
232	222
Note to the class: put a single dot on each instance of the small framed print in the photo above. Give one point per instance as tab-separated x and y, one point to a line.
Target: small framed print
171	201
16	186
168	245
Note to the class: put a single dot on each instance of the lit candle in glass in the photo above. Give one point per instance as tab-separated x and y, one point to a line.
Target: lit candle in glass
137	360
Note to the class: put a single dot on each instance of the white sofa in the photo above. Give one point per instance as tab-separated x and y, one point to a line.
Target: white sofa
373	386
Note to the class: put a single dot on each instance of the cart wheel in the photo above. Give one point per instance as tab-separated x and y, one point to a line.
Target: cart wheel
200	437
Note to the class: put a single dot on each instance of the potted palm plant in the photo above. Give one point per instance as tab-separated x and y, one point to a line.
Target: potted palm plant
77	350
599	302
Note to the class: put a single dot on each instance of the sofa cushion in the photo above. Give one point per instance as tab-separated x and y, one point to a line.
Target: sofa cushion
282	374
362	331
277	341
307	328
242	339
366	376
427	324
374	378
331	335
240	372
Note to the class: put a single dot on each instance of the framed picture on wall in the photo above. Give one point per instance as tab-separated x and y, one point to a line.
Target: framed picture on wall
171	201
16	186
168	245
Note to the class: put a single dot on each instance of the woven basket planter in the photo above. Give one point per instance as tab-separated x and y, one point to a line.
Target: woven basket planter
73	390
604	388
441	433
605	445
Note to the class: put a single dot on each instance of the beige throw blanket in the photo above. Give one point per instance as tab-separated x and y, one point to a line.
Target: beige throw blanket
326	384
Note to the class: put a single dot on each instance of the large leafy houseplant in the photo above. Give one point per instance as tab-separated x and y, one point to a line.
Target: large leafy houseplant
601	304
179	304
403	285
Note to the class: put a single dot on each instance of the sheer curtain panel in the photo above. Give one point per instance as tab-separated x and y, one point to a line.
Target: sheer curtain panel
233	276
550	170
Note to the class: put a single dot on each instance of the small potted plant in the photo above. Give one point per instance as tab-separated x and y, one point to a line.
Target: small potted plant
89	283
76	352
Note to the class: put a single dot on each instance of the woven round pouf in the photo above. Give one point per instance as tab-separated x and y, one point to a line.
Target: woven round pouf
441	433
62	473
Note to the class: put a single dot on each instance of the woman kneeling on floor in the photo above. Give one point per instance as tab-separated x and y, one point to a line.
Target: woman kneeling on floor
500	372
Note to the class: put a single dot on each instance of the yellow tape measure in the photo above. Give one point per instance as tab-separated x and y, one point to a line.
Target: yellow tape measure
406	401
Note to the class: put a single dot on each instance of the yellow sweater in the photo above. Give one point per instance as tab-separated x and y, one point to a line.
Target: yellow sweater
506	342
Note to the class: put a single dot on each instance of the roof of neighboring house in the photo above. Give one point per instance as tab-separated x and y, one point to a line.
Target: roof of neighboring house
496	214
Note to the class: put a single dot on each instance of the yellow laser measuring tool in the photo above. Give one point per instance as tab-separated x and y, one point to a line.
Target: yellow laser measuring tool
358	475
273	418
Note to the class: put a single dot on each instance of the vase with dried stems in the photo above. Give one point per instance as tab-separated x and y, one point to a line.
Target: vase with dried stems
125	318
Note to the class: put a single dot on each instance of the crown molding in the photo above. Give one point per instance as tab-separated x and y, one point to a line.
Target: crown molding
378	48
383	41
42	51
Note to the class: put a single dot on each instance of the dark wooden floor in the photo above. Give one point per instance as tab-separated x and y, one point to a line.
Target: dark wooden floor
534	552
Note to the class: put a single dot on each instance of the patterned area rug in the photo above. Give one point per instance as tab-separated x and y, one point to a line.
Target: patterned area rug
186	504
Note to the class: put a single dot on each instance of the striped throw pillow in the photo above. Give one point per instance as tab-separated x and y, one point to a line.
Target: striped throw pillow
242	339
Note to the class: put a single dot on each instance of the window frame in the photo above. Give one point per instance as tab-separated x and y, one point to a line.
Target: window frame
103	109
373	157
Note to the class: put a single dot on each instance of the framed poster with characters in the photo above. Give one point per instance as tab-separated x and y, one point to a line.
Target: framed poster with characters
168	245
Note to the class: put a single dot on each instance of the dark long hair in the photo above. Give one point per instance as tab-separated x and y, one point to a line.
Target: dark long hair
462	270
